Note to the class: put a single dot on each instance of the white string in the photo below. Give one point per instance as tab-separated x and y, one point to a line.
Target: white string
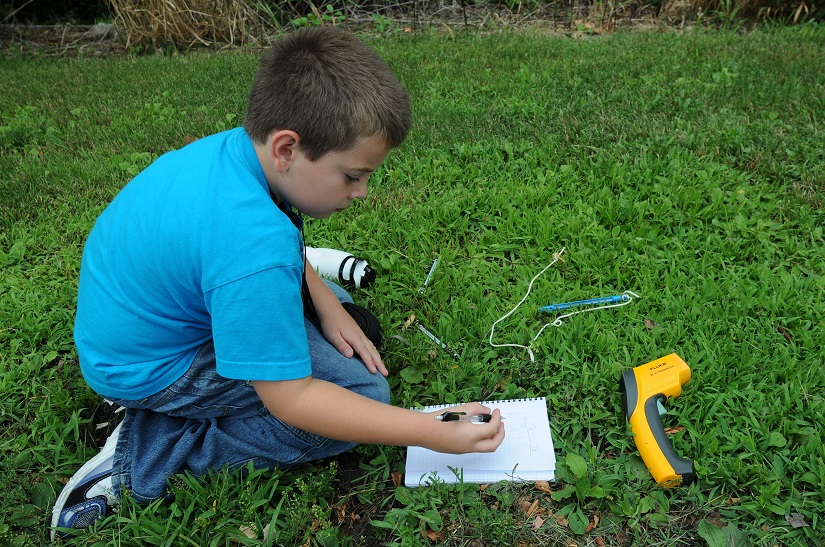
627	298
556	257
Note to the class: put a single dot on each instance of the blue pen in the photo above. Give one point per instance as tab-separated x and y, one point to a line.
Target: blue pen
588	302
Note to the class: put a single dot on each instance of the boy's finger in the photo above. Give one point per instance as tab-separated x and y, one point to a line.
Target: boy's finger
369	362
479	408
473	408
369	355
490	444
344	348
379	364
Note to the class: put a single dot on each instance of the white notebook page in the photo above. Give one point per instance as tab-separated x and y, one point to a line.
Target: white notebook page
526	454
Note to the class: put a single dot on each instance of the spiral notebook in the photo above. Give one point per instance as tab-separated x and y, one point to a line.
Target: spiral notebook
526	454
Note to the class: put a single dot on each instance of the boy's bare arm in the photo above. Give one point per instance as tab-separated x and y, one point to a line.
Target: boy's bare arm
338	327
331	411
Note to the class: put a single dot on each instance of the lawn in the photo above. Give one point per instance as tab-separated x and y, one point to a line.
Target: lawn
687	167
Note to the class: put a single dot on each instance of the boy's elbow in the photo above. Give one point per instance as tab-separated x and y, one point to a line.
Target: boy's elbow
282	398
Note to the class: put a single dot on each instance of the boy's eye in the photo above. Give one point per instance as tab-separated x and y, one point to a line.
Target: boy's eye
350	178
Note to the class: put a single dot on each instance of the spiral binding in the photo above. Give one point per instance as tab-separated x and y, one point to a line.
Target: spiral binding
430	408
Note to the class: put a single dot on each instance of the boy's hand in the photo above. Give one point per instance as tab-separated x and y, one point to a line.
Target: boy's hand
341	330
463	436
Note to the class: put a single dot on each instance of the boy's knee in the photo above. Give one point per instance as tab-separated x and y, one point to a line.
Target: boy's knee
385	392
378	389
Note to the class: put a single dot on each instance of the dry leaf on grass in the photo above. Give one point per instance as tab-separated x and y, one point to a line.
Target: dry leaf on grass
534	509
397	478
250	532
341	512
796	520
432	535
531	507
408	323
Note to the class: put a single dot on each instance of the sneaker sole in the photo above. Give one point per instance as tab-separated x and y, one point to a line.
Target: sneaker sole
107	451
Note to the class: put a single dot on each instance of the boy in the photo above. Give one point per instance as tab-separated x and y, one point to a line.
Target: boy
190	311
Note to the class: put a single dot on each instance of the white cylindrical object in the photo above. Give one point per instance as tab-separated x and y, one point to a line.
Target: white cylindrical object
340	266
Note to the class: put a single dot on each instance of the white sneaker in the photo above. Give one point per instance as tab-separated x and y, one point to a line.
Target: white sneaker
88	495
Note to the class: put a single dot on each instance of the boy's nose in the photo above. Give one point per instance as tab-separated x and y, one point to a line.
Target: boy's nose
360	191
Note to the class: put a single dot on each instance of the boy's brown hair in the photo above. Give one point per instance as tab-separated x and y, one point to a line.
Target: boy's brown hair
330	88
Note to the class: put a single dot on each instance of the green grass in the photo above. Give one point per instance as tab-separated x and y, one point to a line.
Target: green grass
687	168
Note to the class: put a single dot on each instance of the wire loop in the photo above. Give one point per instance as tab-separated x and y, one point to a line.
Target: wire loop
627	298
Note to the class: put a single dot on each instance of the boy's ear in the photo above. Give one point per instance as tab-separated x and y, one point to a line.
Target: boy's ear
283	145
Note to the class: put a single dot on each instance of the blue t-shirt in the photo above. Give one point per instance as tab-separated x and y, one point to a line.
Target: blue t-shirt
192	249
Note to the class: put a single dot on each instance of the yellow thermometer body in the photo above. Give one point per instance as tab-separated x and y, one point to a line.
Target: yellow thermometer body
644	388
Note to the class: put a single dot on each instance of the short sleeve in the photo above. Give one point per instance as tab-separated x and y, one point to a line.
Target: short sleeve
258	326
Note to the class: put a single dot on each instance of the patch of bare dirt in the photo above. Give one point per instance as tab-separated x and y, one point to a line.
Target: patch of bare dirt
61	40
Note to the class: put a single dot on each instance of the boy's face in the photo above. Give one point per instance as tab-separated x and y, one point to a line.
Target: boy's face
328	185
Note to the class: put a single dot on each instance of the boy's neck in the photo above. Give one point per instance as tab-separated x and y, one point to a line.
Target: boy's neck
270	173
